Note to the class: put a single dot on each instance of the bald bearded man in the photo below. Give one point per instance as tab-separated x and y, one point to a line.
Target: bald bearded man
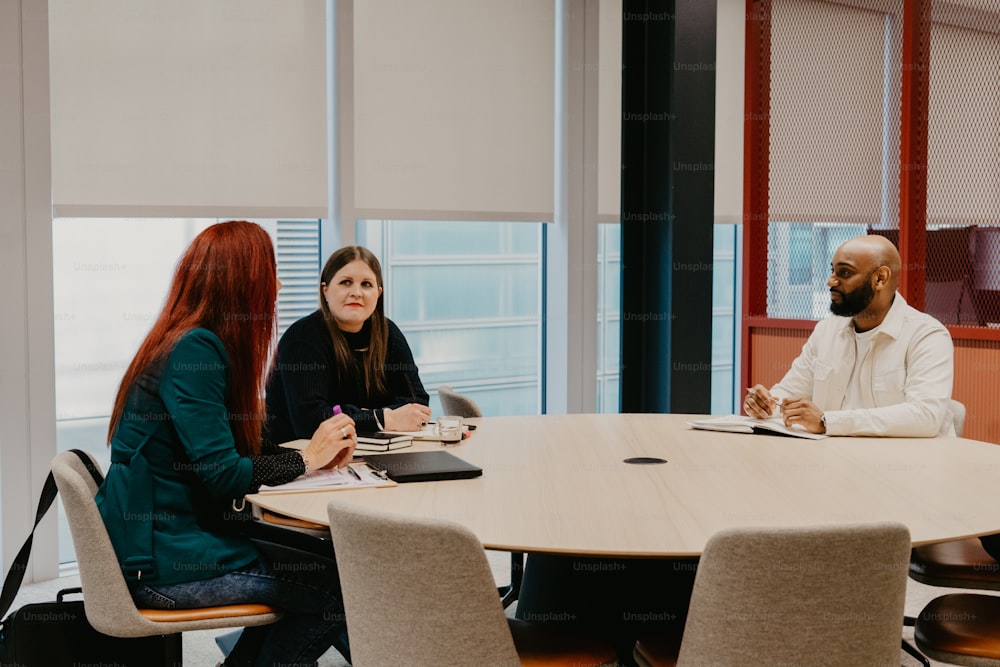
876	367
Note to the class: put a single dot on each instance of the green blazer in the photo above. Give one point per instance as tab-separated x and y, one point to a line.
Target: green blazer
175	471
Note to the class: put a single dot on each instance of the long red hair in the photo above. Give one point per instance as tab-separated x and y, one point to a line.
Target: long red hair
225	282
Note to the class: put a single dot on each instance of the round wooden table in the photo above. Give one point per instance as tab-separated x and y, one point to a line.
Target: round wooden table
558	484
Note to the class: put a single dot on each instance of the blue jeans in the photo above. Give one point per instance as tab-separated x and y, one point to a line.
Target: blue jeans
304	586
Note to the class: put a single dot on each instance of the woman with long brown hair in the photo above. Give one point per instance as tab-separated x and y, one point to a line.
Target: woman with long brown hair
185	439
346	354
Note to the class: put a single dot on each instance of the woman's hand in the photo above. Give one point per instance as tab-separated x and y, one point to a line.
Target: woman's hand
409	417
332	445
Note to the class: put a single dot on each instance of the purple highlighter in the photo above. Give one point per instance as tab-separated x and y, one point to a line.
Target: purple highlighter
336	410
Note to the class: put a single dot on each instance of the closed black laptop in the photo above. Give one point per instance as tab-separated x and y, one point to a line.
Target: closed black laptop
423	466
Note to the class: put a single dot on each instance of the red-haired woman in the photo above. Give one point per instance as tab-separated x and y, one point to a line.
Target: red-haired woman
347	354
185	441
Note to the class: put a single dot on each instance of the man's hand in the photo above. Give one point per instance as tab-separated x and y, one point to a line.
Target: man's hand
759	402
800	412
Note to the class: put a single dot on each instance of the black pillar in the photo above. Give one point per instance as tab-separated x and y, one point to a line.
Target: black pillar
668	154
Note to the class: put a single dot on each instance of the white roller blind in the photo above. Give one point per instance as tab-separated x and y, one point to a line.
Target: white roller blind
730	47
188	108
826	112
609	131
453	109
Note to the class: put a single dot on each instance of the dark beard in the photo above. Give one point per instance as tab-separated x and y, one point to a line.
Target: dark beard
855	301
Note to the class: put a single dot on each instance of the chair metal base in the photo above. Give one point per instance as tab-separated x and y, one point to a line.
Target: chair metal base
508	594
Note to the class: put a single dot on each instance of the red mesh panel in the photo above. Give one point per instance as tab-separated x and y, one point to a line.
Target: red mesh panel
934	189
835	122
963	163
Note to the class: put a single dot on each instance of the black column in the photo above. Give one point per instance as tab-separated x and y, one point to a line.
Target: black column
668	153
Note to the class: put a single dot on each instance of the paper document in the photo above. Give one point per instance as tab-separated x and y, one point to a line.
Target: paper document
353	476
744	424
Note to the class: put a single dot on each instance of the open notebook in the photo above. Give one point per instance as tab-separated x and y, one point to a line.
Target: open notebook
744	424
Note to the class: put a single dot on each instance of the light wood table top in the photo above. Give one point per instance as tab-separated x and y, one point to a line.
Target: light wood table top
558	484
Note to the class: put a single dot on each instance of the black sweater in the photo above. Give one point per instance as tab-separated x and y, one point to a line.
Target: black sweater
306	382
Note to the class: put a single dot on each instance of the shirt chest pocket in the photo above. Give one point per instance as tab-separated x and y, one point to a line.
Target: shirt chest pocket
888	385
829	385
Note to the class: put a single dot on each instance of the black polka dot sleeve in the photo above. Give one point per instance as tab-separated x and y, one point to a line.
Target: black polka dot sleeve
272	469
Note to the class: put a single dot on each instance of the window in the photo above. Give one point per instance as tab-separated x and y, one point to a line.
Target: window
467	296
609	308
726	281
725	318
803	250
799	255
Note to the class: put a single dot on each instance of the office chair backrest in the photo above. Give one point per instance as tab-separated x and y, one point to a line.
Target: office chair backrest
107	602
417	592
106	599
454	403
957	410
804	596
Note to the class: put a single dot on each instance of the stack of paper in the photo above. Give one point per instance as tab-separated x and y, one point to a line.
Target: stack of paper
352	476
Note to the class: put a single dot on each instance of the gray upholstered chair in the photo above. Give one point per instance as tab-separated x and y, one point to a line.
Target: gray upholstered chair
955	563
957	410
819	596
453	403
961	629
420	592
106	599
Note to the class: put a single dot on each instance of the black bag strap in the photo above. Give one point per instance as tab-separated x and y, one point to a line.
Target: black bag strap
15	575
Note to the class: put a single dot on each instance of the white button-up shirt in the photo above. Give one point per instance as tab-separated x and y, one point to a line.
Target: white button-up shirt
905	381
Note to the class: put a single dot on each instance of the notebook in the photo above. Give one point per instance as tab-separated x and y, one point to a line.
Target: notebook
380	441
428	433
741	424
423	466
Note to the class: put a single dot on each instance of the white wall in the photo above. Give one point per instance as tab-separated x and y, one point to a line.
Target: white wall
27	384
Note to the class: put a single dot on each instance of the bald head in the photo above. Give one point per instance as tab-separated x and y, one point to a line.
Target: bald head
868	253
863	280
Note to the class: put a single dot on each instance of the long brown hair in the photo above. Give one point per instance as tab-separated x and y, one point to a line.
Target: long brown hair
225	282
370	375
